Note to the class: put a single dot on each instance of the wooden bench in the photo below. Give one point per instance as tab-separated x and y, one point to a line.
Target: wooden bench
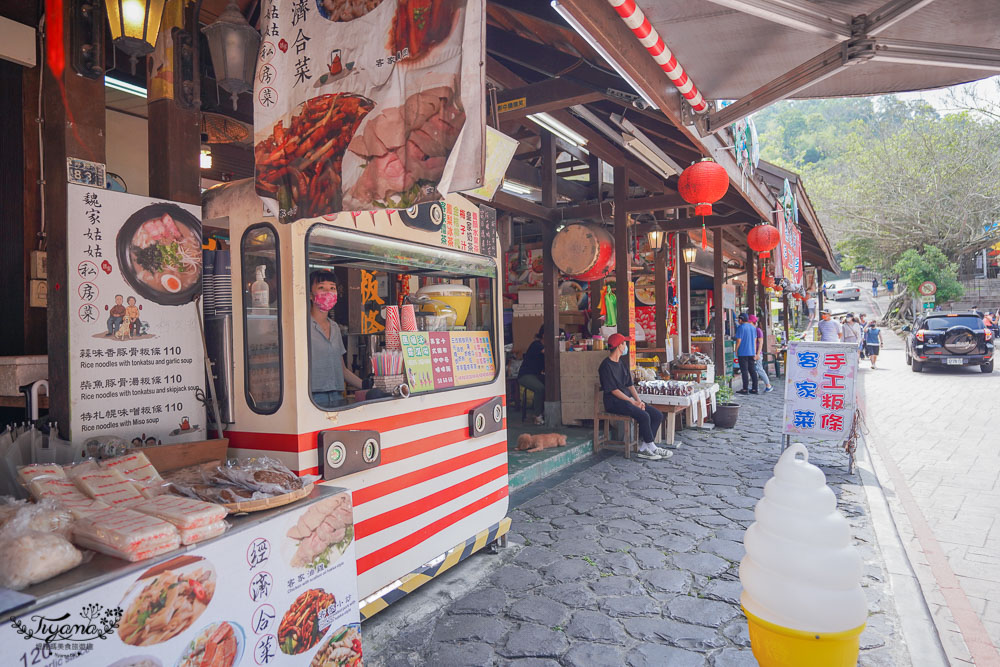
629	426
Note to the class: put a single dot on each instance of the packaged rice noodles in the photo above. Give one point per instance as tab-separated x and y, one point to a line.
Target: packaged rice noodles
126	534
194	535
136	468
108	486
34	470
30	557
185	513
66	494
45	516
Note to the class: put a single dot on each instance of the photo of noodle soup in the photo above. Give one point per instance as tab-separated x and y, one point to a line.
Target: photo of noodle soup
159	250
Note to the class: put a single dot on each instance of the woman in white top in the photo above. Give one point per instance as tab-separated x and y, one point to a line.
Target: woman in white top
852	330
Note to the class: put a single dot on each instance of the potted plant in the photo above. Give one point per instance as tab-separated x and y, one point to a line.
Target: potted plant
726	412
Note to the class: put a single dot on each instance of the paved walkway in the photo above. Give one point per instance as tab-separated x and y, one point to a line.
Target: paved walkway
936	433
629	563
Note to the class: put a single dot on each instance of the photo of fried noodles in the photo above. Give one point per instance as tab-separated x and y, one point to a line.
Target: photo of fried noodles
300	166
302	626
167	605
343	649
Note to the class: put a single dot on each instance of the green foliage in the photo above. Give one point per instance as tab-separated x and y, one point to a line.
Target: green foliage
725	394
915	267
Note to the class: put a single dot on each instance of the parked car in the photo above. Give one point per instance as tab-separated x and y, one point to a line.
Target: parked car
842	289
949	339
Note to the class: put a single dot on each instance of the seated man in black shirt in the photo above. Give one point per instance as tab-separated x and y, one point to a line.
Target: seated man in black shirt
620	397
531	376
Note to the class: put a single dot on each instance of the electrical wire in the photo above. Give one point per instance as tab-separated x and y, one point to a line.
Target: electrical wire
42	235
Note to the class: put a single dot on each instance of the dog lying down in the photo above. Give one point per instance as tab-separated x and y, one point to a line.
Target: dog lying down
540	441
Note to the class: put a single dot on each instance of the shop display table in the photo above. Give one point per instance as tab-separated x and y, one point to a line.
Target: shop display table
696	405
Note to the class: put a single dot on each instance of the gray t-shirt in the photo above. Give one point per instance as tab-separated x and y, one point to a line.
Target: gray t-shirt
830	330
326	364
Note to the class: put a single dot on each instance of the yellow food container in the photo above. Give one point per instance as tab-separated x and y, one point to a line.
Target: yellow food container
458	297
777	646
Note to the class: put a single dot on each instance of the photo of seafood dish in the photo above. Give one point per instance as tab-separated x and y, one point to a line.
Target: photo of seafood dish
303	624
168	603
404	149
345	10
342	649
300	166
323	532
159	251
217	645
422	24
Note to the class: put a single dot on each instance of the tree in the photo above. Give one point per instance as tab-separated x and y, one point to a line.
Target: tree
915	267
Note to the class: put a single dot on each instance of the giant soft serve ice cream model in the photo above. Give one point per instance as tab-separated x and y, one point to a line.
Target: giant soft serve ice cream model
801	574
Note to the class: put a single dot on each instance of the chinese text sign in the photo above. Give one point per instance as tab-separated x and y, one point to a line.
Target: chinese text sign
819	390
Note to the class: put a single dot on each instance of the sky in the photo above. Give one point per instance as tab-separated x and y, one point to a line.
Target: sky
941	99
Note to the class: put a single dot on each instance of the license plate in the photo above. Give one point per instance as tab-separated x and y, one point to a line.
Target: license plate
953	362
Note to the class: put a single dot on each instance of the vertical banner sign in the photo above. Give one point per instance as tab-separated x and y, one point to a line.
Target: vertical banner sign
631	325
819	390
136	356
368	104
789	237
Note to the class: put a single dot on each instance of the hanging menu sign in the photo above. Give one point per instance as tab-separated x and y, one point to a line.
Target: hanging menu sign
417	360
472	357
136	359
441	359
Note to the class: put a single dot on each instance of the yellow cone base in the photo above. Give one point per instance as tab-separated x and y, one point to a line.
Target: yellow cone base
776	646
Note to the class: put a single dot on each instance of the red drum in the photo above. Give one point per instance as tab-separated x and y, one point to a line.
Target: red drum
584	251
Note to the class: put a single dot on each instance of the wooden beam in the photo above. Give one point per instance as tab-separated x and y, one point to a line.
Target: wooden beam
819	289
544	96
508	202
523	172
605	209
718	285
550	288
623	259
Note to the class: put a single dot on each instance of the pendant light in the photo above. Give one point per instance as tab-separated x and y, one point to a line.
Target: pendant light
233	44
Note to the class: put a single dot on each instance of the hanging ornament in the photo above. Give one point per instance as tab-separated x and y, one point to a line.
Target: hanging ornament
762	239
702	184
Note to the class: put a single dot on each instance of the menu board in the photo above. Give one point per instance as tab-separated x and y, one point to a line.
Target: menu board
472	357
274	593
417	360
135	353
441	359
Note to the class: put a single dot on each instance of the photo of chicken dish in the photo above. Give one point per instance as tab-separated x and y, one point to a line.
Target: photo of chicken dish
421	24
300	166
167	605
159	250
404	150
217	645
342	649
302	626
345	10
323	532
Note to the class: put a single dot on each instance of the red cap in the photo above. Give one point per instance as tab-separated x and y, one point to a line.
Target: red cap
616	339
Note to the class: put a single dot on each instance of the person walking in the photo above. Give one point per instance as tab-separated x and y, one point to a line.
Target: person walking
852	330
875	287
890	286
531	375
873	342
621	398
830	330
746	351
759	356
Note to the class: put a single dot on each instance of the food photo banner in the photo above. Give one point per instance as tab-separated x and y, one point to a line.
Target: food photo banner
820	395
136	356
789	238
368	104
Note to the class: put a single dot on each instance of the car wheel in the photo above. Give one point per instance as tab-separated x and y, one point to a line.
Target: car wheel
987	367
857	298
916	366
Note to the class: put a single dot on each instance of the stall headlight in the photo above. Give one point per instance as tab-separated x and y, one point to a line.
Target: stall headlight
336	455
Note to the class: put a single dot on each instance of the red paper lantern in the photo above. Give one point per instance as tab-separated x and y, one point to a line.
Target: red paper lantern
763	239
702	184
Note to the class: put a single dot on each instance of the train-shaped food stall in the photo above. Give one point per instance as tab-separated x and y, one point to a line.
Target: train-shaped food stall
423	451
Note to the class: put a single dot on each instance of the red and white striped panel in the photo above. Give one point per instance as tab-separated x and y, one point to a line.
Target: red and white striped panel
648	37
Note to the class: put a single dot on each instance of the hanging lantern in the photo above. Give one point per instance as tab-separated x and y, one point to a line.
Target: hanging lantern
763	239
135	25
703	184
766	280
234	44
655	238
690	253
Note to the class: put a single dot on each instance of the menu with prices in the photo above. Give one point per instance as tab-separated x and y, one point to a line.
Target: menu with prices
472	357
279	592
417	360
441	364
136	357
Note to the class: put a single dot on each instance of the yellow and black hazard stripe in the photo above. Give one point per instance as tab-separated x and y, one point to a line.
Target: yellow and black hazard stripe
425	573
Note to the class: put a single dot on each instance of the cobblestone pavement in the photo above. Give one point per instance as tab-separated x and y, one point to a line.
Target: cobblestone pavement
636	563
935	434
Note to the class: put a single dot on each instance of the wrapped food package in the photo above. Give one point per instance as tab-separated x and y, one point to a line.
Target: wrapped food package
34	470
194	535
127	534
32	557
185	513
9	507
66	494
264	474
108	486
136	468
45	516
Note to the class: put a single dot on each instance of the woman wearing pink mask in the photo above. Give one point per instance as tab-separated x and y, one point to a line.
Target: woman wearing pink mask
327	369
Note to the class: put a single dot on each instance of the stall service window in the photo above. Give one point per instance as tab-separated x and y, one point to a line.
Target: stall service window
261	318
388	318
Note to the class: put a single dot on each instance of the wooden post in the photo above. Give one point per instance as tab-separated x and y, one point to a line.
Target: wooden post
73	127
784	307
684	296
550	288
718	285
660	288
819	290
751	282
596	174
623	262
595	305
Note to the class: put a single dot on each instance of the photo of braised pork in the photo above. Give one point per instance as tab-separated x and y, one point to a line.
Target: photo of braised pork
421	24
405	149
217	645
323	532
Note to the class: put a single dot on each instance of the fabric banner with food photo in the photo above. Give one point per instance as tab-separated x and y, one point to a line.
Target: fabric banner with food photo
367	104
